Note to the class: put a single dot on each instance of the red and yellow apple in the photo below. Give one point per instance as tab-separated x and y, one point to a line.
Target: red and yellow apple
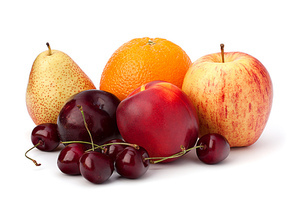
232	93
159	117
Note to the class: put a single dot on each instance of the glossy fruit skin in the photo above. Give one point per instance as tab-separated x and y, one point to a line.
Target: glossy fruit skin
142	60
216	148
159	117
68	159
113	150
99	108
96	167
130	162
47	135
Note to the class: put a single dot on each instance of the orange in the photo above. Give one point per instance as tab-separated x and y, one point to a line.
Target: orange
142	60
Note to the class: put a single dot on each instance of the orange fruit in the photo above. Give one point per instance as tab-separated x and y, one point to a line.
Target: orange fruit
142	60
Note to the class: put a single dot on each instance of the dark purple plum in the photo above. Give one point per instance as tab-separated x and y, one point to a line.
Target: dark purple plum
99	108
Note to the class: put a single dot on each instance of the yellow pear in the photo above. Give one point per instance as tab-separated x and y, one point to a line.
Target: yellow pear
53	79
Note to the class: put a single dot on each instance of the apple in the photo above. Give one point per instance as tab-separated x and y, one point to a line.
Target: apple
159	117
99	108
232	93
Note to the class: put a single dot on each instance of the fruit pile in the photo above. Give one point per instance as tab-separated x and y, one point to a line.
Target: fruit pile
131	161
153	106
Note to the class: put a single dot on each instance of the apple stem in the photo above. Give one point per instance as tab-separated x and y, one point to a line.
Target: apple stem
49	49
154	160
33	160
222	51
86	127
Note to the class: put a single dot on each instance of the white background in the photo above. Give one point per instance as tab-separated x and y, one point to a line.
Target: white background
90	32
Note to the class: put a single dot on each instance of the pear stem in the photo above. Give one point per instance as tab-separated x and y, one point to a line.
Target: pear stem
49	49
222	51
86	127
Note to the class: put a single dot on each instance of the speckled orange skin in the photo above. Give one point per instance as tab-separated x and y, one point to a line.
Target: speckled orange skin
232	98
142	60
53	79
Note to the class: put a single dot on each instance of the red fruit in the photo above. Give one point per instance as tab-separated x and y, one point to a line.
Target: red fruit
99	108
46	135
68	160
215	148
132	163
160	118
96	167
113	150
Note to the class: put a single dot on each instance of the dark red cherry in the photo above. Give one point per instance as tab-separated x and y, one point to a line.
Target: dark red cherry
113	149
68	160
46	136
215	148
96	167
131	162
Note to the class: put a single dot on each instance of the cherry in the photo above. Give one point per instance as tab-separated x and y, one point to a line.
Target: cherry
213	149
113	149
132	163
68	160
96	167
45	137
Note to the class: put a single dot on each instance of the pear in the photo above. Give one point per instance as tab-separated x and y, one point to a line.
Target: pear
54	77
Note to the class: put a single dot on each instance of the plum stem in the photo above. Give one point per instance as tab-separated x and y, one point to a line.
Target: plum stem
154	160
49	49
33	160
86	127
222	51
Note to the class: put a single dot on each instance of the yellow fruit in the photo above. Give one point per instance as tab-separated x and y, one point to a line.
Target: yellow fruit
53	79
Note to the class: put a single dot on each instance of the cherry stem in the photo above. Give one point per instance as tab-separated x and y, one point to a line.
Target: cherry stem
33	160
49	49
86	127
120	143
81	142
222	51
154	160
103	145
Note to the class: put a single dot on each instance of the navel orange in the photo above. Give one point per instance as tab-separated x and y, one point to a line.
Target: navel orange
142	60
